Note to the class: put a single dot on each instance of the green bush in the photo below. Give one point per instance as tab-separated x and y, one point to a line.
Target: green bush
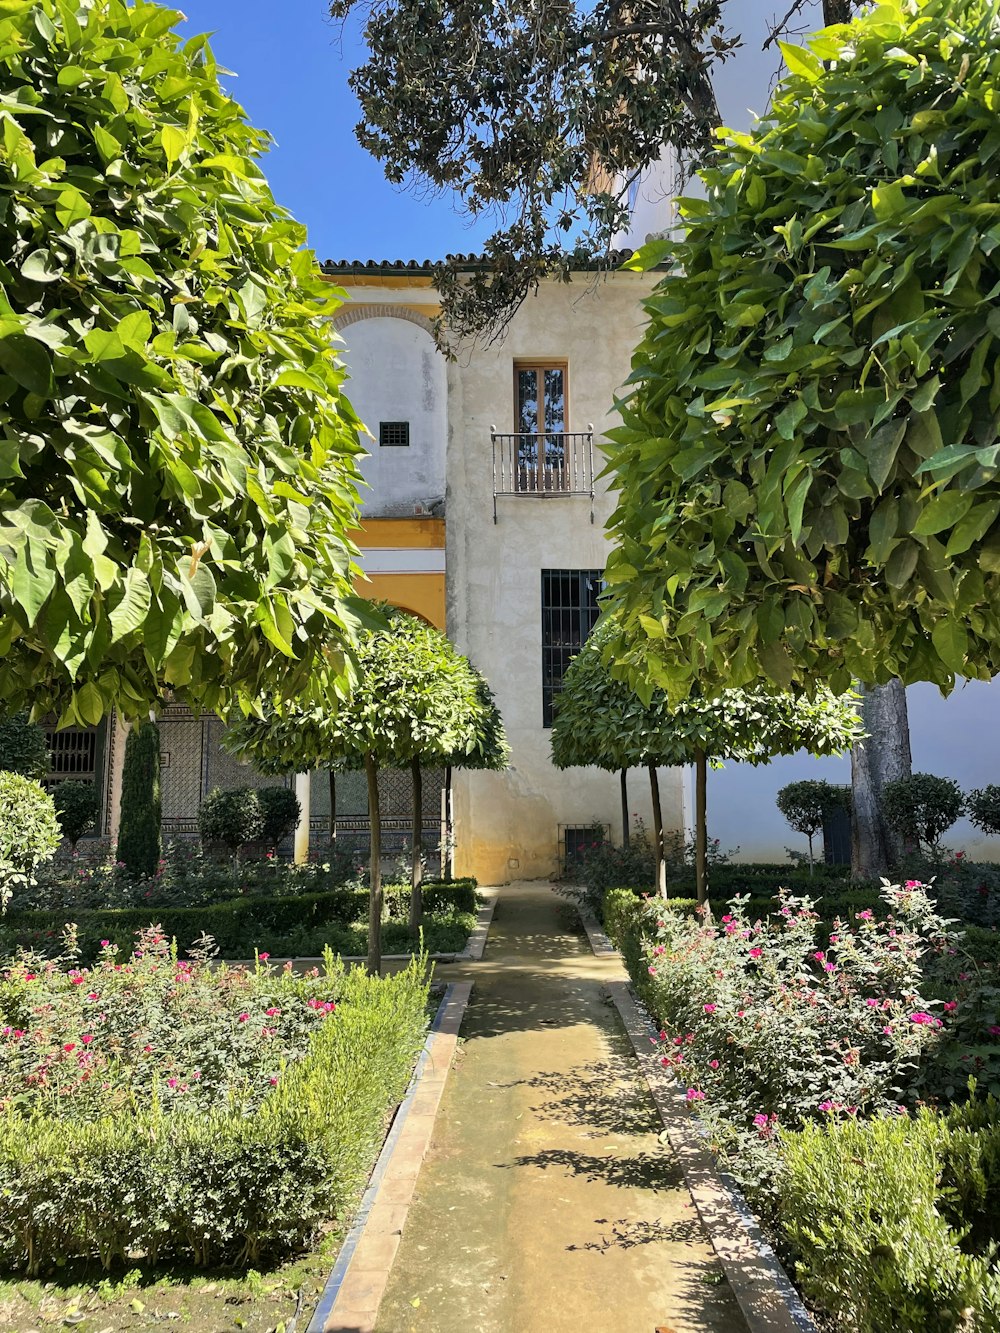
218	1186
23	747
281	811
922	807
77	808
284	927
877	1215
983	808
29	833
140	839
809	803
233	817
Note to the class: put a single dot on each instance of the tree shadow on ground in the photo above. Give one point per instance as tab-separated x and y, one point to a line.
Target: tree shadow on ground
642	1171
604	1096
626	1233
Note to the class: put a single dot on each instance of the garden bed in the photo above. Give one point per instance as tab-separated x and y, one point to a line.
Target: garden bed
160	1119
830	1063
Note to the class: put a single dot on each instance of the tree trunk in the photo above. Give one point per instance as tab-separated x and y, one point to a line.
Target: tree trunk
333	808
449	819
836	11
883	756
625	827
701	825
658	859
375	869
417	867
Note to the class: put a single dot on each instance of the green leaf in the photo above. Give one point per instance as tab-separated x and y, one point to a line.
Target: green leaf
27	363
801	61
42	266
129	612
944	511
951	642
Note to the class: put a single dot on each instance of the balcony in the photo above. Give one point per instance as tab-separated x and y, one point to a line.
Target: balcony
546	465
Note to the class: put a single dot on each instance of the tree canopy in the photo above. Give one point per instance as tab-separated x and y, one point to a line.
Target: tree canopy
807	464
177	458
601	720
542	116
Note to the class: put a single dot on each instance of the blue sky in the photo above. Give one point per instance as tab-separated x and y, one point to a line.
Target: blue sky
292	64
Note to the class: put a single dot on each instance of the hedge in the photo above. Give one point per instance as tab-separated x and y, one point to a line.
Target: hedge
239	925
218	1187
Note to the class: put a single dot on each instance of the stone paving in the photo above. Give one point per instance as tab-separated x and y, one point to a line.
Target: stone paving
547	1202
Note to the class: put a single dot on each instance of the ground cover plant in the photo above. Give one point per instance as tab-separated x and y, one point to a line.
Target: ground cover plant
152	1108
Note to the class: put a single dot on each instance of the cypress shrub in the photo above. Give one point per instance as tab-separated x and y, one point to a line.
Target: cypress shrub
140	844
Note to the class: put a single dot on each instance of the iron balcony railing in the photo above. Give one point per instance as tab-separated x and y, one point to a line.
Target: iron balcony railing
543	463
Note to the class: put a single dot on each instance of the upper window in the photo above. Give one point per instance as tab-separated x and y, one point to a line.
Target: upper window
569	613
540	420
393	434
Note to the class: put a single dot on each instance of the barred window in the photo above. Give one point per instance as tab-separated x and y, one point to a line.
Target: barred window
569	613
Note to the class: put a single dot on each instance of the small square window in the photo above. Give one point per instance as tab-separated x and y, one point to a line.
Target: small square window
393	434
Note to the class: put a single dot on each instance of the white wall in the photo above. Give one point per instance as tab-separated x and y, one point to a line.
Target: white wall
957	737
507	824
397	375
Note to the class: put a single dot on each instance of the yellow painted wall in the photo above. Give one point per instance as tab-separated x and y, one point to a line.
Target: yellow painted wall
423	594
426	533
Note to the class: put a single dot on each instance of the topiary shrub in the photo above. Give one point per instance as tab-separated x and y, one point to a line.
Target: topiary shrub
140	845
77	808
983	808
922	807
23	747
281	811
29	833
233	817
807	804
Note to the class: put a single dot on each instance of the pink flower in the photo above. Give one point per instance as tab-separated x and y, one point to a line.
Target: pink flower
761	1121
69	1046
926	1020
834	939
756	953
105	944
147	1049
829	967
693	1095
272	1012
171	1083
273	1080
872	1004
713	1064
708	1008
826	1106
819	955
87	1038
888	1030
726	919
950	1006
866	915
913	883
263	957
995	1031
243	1018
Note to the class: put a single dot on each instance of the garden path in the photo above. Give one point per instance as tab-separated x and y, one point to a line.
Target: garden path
546	1201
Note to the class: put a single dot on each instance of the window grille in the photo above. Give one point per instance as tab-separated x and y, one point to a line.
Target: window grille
569	613
393	434
73	755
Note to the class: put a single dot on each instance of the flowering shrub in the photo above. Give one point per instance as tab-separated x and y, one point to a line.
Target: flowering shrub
778	1027
175	1110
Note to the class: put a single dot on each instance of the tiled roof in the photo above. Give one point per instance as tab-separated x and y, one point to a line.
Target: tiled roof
470	261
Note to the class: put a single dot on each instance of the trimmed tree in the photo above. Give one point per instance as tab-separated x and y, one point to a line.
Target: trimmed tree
808	804
140	844
807	464
601	720
77	808
922	807
23	747
177	468
414	702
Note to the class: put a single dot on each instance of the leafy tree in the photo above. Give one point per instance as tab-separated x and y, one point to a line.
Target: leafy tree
922	807
281	812
808	804
177	461
23	747
601	720
983	808
29	833
818	373
415	701
541	115
77	808
233	816
140	842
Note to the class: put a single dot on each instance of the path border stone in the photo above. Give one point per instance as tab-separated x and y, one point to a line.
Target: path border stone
768	1301
354	1289
600	943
